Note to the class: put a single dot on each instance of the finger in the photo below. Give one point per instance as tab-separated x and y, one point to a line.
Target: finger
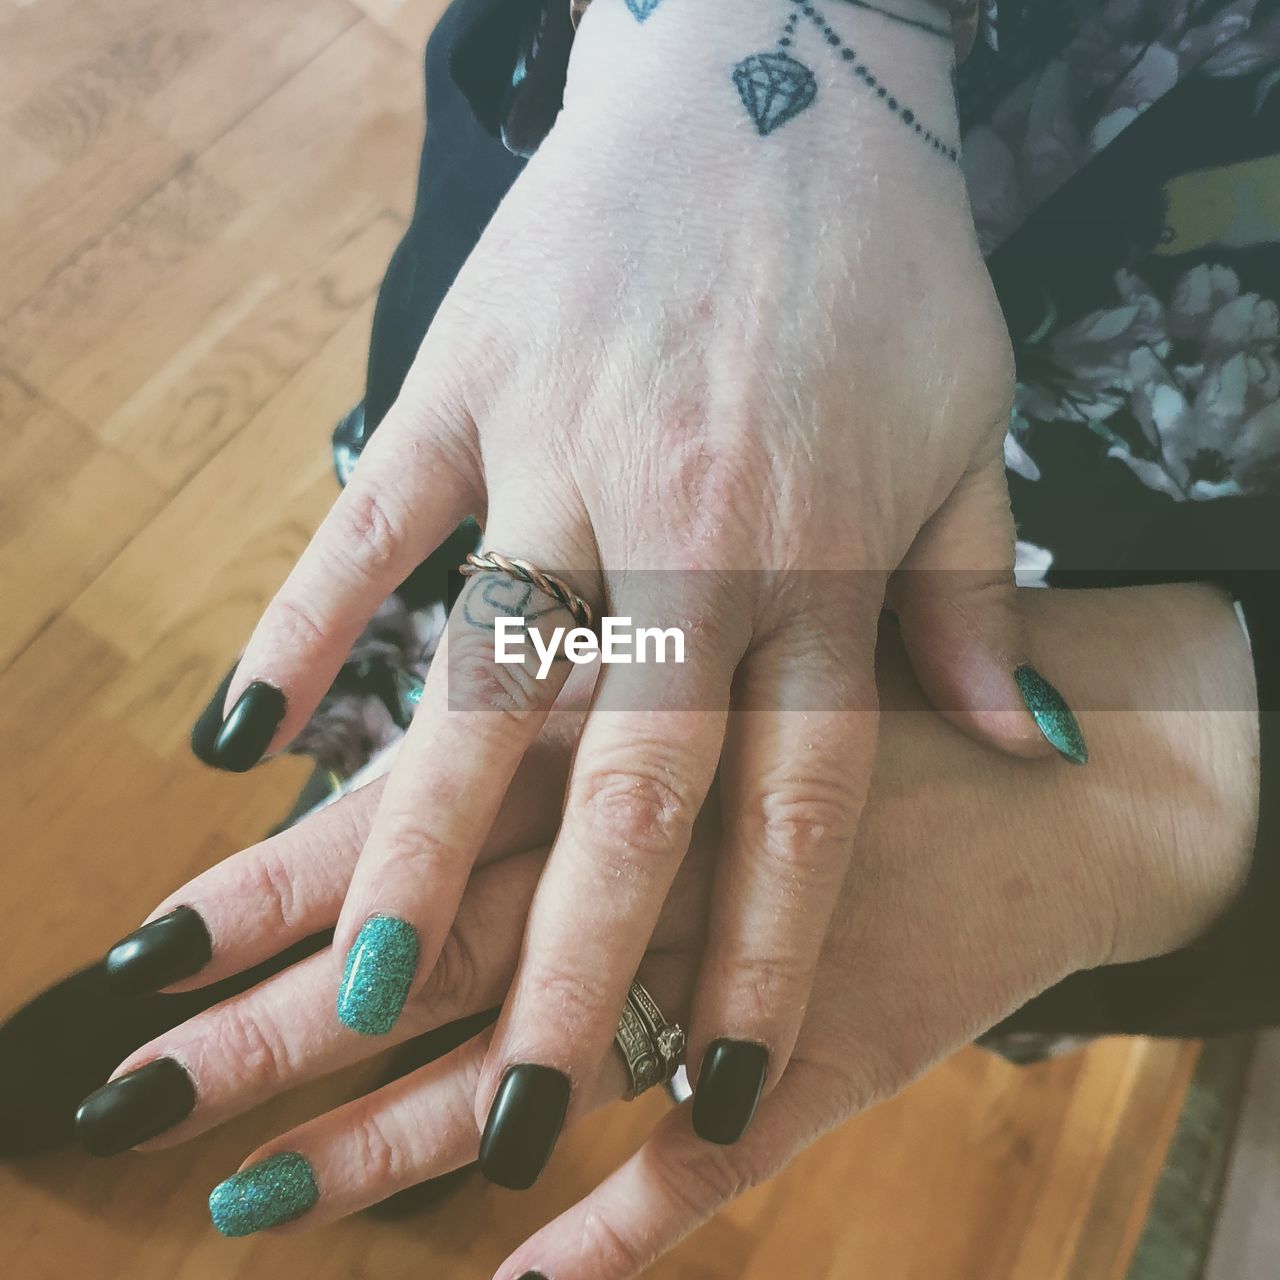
415	481
415	1128
639	779
251	906
283	1032
418	1127
476	718
794	777
670	1186
958	607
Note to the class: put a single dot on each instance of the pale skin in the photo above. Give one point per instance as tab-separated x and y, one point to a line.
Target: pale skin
682	345
1061	870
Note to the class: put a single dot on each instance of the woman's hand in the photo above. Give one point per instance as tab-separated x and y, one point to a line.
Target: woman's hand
754	350
978	881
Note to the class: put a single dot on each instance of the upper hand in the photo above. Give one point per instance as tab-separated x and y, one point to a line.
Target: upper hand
771	367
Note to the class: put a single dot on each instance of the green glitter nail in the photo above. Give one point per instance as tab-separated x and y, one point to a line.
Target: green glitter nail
1050	711
379	970
274	1190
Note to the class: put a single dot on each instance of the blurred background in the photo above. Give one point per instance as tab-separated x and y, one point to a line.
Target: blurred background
197	202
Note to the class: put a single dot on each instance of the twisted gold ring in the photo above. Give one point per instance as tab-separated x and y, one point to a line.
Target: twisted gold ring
523	571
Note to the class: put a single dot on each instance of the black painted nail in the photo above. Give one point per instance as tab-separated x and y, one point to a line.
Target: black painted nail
729	1085
248	729
523	1125
135	1107
166	950
533	1275
208	724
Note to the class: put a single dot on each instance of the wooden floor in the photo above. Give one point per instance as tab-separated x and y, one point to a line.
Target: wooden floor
197	200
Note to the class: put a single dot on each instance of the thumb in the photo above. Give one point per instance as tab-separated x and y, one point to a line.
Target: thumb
963	629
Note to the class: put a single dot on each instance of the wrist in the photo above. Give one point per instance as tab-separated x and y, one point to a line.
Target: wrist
1133	855
1163	678
686	71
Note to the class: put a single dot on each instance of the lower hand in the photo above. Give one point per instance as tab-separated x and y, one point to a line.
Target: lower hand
979	881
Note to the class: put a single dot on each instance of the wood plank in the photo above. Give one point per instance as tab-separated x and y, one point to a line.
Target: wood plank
291	255
99	825
1246	1240
67	505
1110	1228
196	578
116	98
1185	1206
44	39
409	22
171	388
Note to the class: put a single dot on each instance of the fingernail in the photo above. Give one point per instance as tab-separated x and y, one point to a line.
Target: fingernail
165	950
377	975
248	729
1052	715
135	1107
523	1125
275	1190
208	723
533	1275
729	1085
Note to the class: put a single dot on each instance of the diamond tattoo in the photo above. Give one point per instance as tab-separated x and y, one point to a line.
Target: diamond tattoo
641	9
774	88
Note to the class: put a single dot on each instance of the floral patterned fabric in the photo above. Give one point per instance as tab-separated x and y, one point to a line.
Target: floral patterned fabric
1105	65
1184	389
1127	193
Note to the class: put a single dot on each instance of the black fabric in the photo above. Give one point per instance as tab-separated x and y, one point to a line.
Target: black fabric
464	173
486	50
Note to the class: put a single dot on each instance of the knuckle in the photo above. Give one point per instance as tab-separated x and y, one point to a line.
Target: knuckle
641	811
297	625
857	1090
251	1046
382	1161
479	683
828	1090
802	830
765	982
578	999
268	884
613	1252
699	1181
704	484
455	975
367	533
417	853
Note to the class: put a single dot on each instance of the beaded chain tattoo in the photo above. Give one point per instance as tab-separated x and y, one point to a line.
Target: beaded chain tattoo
776	86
